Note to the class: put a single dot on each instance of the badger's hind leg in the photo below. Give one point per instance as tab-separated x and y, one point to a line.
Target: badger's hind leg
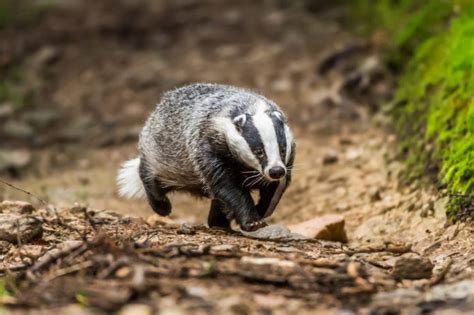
155	192
217	217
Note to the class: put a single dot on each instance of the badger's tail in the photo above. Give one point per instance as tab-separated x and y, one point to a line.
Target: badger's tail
128	180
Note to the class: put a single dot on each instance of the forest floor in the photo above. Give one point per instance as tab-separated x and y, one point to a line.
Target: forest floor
94	71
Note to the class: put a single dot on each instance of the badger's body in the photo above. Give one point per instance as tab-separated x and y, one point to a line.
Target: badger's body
215	141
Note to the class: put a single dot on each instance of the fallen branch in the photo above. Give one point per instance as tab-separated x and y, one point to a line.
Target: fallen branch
68	270
51	256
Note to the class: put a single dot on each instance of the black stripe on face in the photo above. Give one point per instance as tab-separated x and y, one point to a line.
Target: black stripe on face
280	133
250	133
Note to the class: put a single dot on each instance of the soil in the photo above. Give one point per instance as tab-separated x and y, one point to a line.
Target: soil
95	70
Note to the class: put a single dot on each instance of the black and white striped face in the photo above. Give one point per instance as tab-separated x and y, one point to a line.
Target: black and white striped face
262	140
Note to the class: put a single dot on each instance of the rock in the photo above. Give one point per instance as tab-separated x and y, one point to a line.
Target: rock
42	118
15	227
6	110
200	292
330	157
45	57
21	207
32	251
328	227
14	160
18	130
375	194
136	309
411	266
4	247
274	232
273	261
186	229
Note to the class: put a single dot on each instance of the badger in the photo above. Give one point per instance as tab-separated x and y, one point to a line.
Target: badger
214	141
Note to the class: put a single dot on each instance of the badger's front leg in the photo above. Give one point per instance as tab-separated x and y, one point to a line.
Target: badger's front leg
225	186
217	217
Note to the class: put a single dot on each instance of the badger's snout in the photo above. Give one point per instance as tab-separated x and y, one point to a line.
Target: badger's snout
275	172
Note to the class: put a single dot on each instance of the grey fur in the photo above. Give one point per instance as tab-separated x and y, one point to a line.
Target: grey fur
180	136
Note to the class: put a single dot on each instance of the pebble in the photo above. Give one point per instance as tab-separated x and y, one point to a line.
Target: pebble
186	229
330	157
412	266
6	110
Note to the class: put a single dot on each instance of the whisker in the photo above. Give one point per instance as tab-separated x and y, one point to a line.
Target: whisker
249	178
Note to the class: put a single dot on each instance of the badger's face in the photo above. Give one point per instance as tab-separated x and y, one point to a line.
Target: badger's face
262	140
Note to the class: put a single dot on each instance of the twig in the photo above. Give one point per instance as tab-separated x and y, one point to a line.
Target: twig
71	269
16	267
24	191
52	256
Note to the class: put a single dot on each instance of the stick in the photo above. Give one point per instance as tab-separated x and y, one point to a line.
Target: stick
24	191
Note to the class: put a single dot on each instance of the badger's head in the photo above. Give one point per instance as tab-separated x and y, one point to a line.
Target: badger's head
260	138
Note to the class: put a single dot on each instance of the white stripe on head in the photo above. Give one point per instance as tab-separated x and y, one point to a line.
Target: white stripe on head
289	142
266	129
237	144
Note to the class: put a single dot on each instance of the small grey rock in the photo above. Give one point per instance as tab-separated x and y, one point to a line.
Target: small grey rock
18	130
186	229
274	232
16	227
6	110
42	117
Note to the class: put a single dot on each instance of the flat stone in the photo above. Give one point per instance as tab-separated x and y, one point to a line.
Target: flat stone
15	227
18	130
412	266
6	110
42	118
328	227
274	232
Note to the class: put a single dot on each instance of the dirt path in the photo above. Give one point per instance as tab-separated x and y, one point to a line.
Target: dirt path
102	80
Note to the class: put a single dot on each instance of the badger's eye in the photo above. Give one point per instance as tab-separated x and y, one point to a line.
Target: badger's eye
259	153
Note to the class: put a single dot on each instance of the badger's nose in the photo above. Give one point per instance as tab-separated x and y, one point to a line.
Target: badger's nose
276	172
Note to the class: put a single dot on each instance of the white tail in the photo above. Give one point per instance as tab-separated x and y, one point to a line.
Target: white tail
128	180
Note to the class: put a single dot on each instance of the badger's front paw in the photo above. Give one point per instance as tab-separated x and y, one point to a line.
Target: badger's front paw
253	226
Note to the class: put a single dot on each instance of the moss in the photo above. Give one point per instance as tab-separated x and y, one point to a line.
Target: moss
13	88
434	105
14	13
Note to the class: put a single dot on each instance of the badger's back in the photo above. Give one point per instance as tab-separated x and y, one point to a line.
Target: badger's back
171	134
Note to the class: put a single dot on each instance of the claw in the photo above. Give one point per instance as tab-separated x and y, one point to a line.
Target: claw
253	226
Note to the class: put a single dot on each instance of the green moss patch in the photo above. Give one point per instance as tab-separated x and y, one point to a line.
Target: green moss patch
434	106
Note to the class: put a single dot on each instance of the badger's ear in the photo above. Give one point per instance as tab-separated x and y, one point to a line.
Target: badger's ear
278	115
240	121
